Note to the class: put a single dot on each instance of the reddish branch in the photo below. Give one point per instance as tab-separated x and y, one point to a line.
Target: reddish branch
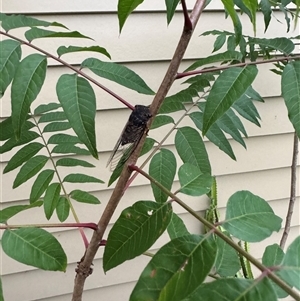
292	193
86	262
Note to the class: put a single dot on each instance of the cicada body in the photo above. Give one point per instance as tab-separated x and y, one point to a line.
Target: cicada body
131	134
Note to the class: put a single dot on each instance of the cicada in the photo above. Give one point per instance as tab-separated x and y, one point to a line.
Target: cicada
131	134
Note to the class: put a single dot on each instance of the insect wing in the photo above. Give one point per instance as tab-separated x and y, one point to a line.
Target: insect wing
121	155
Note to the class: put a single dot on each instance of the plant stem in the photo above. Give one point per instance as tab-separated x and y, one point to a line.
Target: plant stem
201	71
86	262
227	239
187	21
92	226
70	67
84	238
292	192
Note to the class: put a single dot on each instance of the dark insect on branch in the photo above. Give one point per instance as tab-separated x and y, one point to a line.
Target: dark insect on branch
130	136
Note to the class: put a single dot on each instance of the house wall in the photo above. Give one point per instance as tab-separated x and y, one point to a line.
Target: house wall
146	46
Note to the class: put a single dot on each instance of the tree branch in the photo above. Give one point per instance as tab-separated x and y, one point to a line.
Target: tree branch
292	192
84	265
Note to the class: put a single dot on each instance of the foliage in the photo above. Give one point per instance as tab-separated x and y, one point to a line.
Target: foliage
216	99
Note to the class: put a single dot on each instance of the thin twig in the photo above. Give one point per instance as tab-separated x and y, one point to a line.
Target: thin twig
86	262
219	233
92	226
70	67
214	69
289	215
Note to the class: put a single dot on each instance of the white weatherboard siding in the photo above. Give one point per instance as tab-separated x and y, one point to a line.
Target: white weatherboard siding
145	45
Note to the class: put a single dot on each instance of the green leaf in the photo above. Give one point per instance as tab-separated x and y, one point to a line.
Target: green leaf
63	50
119	74
40	184
30	169
81	178
10	56
78	100
254	95
161	120
290	86
171	7
227	262
84	197
290	269
229	6
266	9
23	155
250	218
73	162
219	42
118	169
148	145
135	231
192	181
176	227
37	33
57	126
62	209
175	102
46	108
163	169
229	87
244	9
252	5
235	289
176	270
63	138
125	7
12	142
28	81
35	247
284	45
52	116
231	43
51	199
236	121
2	16
273	256
170	105
228	125
11	211
191	149
246	109
17	21
69	148
286	16
6	129
226	56
214	134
